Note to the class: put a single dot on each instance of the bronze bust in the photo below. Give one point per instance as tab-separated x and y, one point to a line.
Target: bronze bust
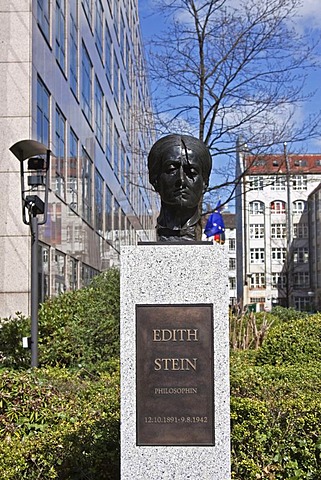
179	169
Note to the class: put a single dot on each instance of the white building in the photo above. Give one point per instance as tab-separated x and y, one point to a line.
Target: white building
273	229
73	78
230	239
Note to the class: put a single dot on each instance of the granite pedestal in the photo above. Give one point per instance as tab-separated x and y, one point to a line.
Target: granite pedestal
173	298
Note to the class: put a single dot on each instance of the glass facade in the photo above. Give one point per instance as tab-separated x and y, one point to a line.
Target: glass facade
73	47
60	33
43	112
86	84
98	198
87	99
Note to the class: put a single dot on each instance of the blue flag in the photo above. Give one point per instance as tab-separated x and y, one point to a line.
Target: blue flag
215	225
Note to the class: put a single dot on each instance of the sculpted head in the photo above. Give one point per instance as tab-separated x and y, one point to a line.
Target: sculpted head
179	169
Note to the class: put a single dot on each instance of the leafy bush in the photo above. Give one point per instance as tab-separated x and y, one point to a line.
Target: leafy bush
78	328
276	422
298	341
12	330
59	425
283	314
63	423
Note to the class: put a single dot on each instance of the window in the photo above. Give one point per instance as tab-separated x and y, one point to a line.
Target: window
232	244
73	47
116	17
43	273
128	182
87	274
127	116
86	87
300	163
257	255
257	299
278	280
299	206
109	134
73	274
259	162
43	17
122	37
300	230
59	270
116	152
301	255
299	182
116	81
123	166
108	213
232	283
303	303
278	207
256	208
301	279
116	224
232	263
278	182
98	202
257	280
60	33
73	171
86	179
279	254
256	183
88	10
99	112
122	106
60	154
257	230
43	113
108	55
99	27
278	230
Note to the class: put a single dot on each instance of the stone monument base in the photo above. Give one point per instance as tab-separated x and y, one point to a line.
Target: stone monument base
175	416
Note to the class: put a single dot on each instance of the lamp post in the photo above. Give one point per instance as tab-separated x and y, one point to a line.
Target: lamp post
34	179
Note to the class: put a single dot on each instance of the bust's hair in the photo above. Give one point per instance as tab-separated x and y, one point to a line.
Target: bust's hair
162	147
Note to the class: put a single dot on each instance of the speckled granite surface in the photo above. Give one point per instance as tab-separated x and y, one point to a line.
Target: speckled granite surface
174	274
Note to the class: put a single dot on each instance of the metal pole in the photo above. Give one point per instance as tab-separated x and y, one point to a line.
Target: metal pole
34	289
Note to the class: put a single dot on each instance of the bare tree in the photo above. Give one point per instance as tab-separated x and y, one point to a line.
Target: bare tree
226	69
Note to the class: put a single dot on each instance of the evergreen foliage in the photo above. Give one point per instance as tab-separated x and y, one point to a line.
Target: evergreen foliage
61	421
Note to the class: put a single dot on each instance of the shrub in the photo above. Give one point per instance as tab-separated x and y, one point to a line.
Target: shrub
78	328
297	341
12	330
276	422
59	425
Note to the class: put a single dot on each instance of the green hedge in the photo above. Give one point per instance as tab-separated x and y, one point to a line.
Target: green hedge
78	328
275	404
59	425
276	421
298	341
62	421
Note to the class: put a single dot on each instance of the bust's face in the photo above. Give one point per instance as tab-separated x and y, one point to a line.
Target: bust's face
181	182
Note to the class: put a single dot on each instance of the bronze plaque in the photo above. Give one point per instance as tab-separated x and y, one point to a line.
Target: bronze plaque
174	374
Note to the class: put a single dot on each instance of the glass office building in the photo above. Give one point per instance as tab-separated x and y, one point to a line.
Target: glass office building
74	79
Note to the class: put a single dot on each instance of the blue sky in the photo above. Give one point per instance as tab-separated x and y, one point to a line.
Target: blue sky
309	17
